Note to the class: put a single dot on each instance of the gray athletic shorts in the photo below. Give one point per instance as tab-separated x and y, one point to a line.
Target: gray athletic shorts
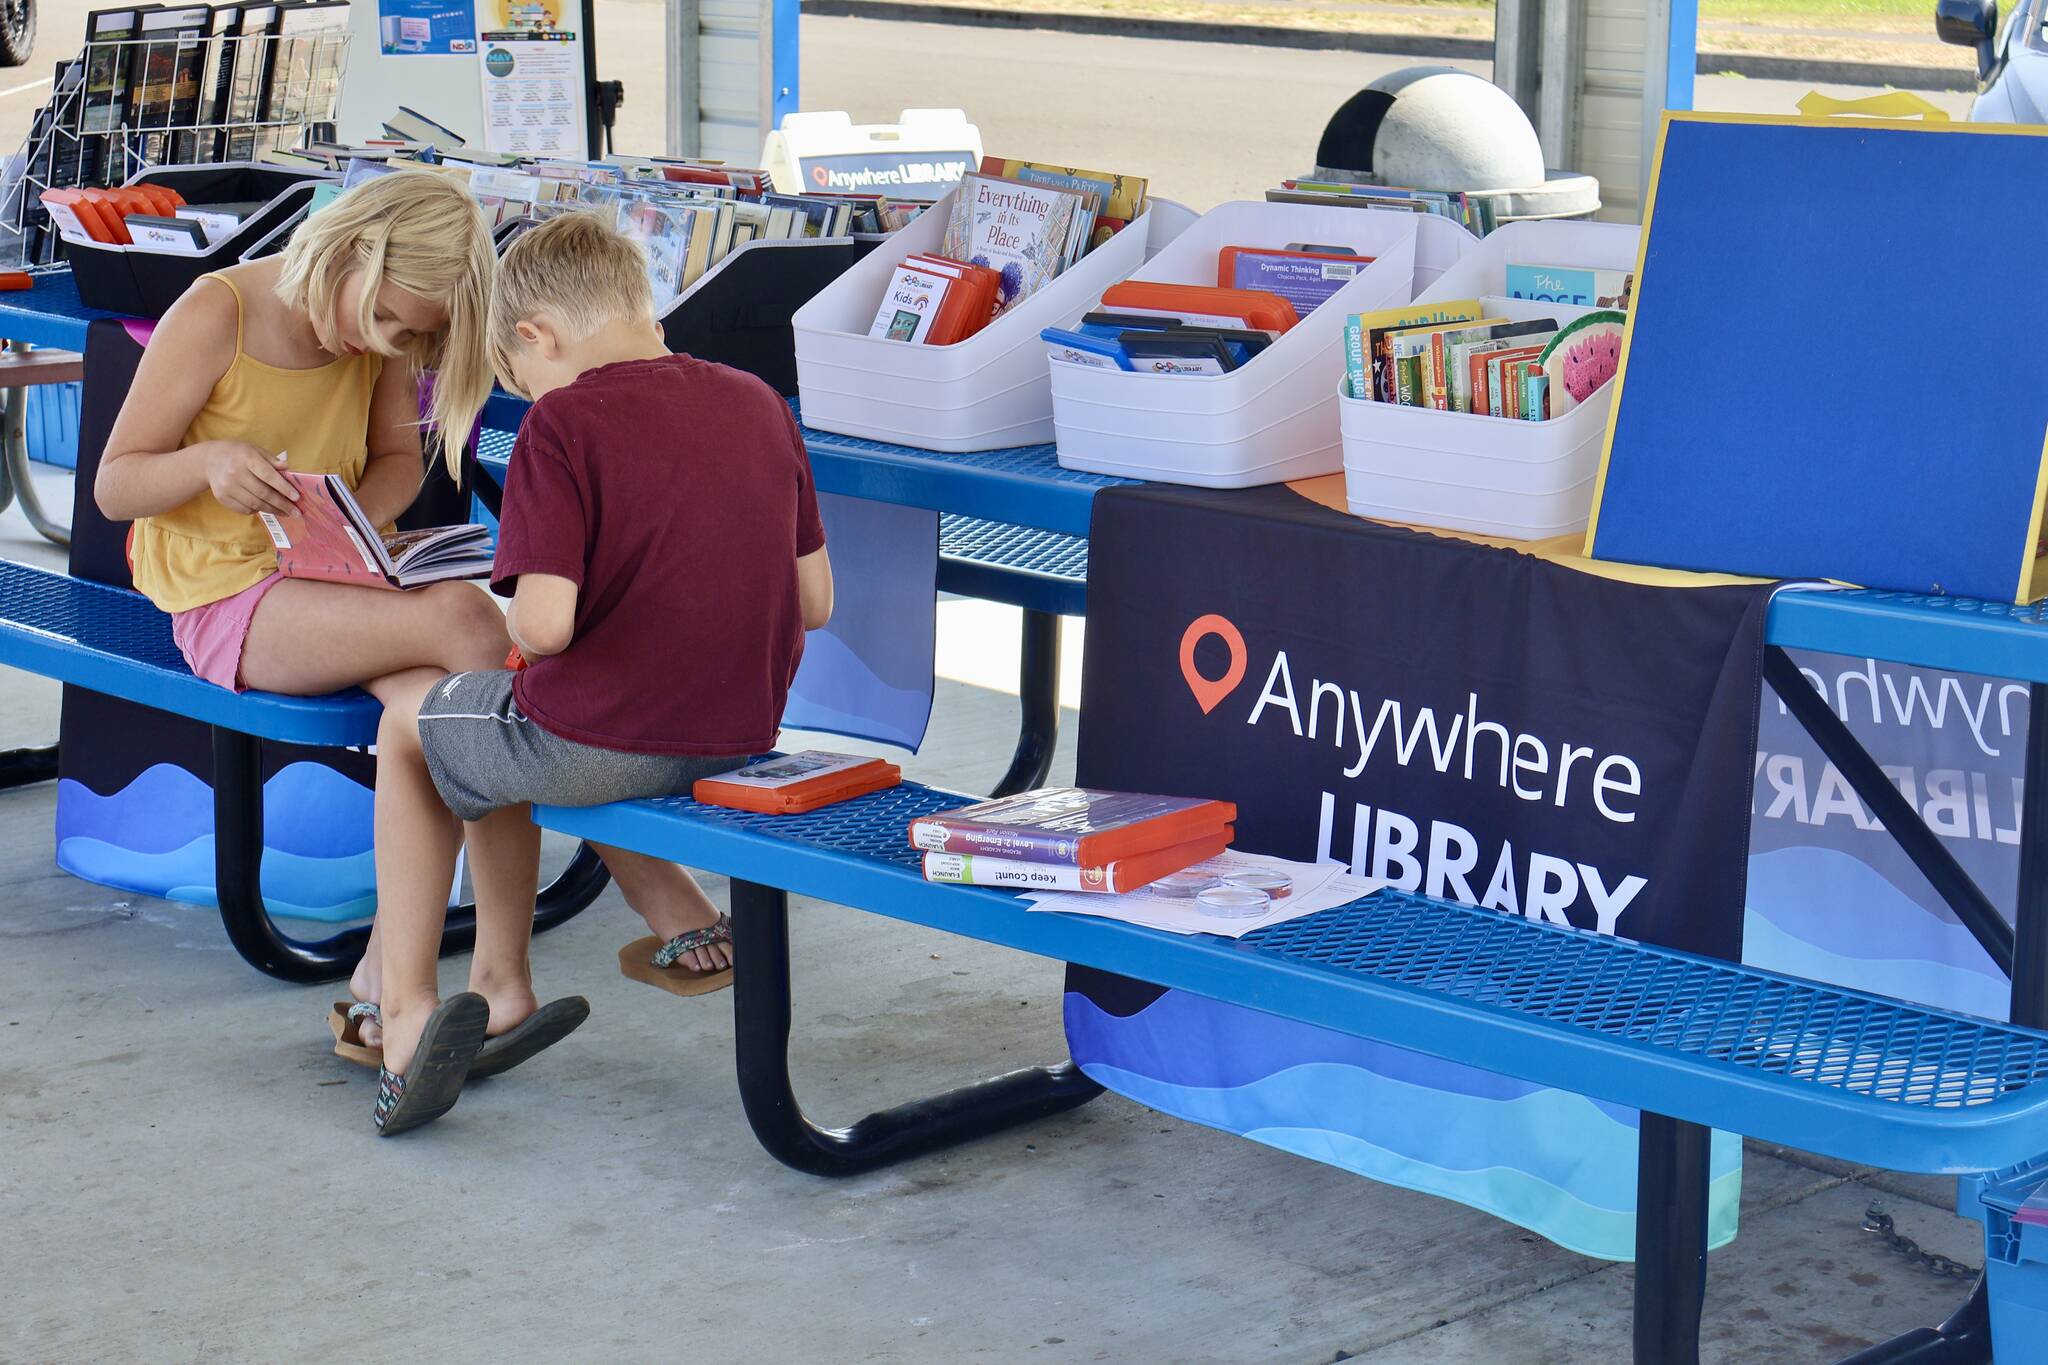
484	754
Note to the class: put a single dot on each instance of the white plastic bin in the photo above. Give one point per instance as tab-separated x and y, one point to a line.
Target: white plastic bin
1493	476
984	393
1269	421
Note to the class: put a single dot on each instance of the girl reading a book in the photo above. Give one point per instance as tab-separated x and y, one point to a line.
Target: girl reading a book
311	361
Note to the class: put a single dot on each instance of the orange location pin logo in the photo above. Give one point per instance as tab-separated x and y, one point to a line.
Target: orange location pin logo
1209	691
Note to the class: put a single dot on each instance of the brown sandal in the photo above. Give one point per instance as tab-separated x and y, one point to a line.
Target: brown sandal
346	1022
661	964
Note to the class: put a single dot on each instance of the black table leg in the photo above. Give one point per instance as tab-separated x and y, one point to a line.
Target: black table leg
238	868
1671	1239
25	767
761	995
1038	699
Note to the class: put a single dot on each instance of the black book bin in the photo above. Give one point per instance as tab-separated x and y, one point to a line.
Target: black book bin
146	283
739	313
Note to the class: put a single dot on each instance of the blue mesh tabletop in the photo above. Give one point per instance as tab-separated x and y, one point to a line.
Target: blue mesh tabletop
49	314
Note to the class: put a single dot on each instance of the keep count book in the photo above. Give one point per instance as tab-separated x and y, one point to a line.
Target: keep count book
330	540
794	783
1111	878
1072	825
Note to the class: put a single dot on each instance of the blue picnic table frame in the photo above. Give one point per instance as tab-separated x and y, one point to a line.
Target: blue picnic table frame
1025	487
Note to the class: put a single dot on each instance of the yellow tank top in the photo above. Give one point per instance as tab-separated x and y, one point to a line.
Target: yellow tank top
201	552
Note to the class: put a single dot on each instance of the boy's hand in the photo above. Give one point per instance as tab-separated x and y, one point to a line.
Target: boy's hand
248	480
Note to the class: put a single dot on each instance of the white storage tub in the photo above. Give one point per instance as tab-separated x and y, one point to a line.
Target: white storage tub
984	393
1270	421
1492	476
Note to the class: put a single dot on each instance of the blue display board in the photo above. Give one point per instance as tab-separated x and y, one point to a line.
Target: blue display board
1824	374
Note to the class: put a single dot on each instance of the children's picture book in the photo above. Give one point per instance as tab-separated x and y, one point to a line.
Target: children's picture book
1112	878
1566	284
1021	231
329	539
1074	825
795	783
1366	356
1119	198
1582	357
910	304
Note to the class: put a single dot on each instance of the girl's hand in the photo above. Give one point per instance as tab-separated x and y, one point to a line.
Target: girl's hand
247	480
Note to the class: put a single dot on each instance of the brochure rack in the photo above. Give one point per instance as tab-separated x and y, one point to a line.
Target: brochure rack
81	138
1492	476
1271	419
739	312
985	393
143	283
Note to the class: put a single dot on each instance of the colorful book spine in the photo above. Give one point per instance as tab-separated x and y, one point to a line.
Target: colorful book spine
1112	878
1354	359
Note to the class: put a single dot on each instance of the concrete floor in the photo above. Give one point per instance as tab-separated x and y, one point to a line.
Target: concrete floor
187	1173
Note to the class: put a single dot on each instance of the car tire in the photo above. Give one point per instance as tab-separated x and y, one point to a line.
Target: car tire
17	31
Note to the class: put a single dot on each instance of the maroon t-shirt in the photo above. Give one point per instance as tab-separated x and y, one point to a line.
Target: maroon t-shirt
676	495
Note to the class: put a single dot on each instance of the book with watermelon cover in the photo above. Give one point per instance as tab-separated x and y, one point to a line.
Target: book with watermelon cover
1111	878
1073	825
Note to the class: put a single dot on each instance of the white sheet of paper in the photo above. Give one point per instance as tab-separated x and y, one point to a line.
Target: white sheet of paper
1317	886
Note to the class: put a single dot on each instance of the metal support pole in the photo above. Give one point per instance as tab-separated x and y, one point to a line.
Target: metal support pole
761	1017
238	874
1038	701
681	95
1671	1239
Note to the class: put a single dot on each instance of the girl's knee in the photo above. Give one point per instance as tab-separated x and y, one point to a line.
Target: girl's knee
470	626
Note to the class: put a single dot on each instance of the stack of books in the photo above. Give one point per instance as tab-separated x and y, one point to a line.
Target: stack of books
1154	327
1072	839
1465	356
1474	212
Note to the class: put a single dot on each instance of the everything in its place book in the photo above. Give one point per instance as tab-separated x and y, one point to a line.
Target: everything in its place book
1111	878
330	539
1024	232
1073	825
795	783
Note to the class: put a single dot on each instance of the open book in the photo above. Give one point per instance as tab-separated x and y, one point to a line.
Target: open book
330	539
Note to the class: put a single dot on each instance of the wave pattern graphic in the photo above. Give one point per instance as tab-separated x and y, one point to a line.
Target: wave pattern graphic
1821	913
155	836
1559	1164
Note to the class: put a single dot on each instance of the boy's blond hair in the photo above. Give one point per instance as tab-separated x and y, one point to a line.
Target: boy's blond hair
577	271
422	232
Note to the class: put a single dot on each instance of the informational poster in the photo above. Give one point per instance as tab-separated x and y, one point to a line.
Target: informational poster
426	28
533	92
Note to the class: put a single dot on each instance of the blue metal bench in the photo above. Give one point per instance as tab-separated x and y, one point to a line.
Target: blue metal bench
1694	1043
117	643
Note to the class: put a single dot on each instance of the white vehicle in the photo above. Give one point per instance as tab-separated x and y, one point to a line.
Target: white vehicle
2012	58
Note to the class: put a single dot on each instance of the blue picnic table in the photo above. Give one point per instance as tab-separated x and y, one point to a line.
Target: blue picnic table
1019	522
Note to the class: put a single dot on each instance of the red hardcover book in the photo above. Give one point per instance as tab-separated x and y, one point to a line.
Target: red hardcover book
1071	825
796	783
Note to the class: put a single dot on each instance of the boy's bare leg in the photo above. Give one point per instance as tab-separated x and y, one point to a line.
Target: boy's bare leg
417	837
504	866
670	900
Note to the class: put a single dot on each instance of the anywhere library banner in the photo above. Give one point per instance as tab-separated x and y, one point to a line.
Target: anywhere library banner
1831	895
1478	724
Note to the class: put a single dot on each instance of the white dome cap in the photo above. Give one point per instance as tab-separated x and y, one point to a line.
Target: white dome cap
1434	128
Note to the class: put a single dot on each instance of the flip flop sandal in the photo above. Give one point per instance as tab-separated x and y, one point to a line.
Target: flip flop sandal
346	1021
432	1084
542	1029
661	964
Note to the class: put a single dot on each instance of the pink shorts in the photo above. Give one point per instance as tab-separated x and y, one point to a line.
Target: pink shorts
211	637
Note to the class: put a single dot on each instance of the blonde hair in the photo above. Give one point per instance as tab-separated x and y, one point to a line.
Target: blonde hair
578	271
420	231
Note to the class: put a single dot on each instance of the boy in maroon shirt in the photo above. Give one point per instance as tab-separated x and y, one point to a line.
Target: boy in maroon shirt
663	552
